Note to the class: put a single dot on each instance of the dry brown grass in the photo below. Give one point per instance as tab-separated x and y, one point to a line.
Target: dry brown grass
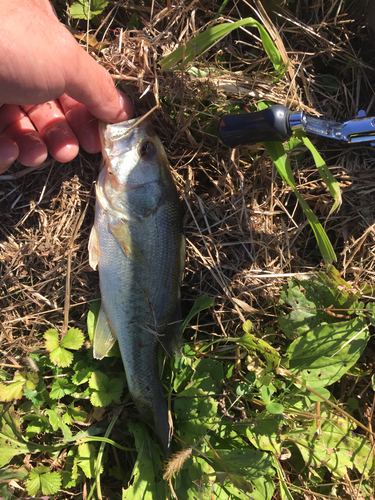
245	231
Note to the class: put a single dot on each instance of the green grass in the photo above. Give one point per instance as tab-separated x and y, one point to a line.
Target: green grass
235	414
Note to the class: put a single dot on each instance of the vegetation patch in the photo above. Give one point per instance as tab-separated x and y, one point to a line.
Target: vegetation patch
272	392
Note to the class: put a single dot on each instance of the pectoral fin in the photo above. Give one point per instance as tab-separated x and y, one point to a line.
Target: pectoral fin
94	250
124	238
104	338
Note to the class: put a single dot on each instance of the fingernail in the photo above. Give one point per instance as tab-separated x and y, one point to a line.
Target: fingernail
126	104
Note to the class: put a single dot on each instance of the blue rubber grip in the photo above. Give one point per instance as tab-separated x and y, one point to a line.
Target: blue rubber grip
271	124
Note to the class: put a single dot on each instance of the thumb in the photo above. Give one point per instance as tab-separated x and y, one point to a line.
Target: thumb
90	84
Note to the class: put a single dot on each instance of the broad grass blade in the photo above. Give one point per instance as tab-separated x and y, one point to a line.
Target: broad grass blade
208	38
279	157
325	174
277	153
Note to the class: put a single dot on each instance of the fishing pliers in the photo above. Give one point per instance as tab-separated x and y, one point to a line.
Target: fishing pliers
277	123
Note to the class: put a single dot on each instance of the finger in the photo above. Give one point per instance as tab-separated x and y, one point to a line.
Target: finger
8	153
16	126
61	141
83	124
32	149
9	114
51	123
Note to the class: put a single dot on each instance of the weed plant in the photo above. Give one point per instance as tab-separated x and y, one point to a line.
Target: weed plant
272	392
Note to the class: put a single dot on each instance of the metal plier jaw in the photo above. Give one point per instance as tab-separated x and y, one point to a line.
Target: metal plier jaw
360	129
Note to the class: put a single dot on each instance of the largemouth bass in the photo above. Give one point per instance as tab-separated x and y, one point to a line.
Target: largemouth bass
138	245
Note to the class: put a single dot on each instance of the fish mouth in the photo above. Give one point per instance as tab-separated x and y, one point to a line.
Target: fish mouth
113	132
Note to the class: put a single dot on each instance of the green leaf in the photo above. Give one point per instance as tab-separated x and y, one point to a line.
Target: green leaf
75	414
82	376
263	488
104	390
36	427
197	473
322	391
82	9
147	468
250	464
264	433
8	474
100	398
50	483
310	300
39	395
8	450
195	414
32	380
86	459
53	419
15	389
57	422
335	446
115	389
200	304
58	355
280	159
209	375
307	301
12	390
183	367
61	357
99	381
72	474
208	38
73	339
60	387
11	440
284	490
82	372
33	484
92	317
275	408
251	342
326	353
52	339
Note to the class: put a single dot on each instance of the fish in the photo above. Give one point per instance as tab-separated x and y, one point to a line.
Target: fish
138	246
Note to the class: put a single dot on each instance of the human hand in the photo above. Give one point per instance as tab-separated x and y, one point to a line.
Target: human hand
53	90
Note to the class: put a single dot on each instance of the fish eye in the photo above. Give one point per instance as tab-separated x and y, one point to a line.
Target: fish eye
148	150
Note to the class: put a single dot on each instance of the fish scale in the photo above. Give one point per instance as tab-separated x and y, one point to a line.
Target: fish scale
138	245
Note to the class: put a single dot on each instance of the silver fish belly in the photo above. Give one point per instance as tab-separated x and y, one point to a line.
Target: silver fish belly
138	245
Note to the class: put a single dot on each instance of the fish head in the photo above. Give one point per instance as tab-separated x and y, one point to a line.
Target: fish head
134	162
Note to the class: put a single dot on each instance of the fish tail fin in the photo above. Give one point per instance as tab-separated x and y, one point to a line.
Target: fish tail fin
163	426
154	410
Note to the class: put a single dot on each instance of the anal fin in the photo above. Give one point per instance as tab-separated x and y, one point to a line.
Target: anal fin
104	338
